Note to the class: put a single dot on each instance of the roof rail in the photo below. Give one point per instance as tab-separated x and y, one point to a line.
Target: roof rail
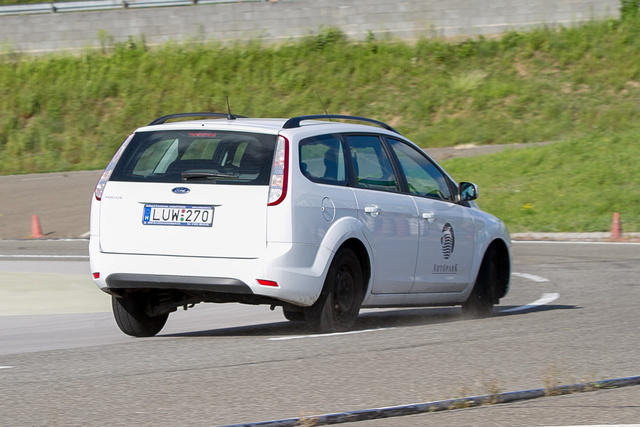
294	122
163	119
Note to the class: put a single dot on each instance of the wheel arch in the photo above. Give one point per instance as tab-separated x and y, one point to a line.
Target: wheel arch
344	288
348	233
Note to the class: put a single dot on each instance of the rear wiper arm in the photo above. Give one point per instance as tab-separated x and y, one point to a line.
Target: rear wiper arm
207	175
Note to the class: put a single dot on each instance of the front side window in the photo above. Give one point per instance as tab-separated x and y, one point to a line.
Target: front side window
198	156
371	163
322	160
423	177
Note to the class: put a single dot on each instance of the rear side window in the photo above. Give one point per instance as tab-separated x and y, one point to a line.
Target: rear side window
322	160
198	156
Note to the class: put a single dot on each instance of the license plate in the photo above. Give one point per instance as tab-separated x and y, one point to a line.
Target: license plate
182	215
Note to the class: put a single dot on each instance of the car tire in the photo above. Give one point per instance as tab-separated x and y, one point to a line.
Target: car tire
480	301
292	315
130	314
338	306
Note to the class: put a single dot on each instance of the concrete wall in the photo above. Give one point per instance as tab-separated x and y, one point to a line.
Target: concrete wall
282	20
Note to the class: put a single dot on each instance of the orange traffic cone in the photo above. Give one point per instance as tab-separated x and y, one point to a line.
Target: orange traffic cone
36	230
616	233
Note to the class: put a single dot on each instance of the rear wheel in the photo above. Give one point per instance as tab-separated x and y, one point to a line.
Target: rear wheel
480	302
131	317
339	303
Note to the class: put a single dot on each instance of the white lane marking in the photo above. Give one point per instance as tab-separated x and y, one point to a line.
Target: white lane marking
296	337
53	239
545	299
42	178
44	256
531	277
577	242
6	367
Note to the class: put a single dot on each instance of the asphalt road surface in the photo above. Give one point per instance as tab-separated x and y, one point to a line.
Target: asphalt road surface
64	362
60	200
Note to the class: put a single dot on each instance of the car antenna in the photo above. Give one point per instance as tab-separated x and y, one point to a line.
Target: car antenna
229	115
322	103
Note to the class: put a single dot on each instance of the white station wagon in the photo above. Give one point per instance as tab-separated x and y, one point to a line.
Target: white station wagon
318	216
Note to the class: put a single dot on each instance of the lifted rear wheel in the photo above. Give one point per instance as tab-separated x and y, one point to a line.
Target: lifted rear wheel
339	304
131	316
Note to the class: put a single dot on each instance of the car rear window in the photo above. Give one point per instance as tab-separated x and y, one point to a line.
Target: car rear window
197	156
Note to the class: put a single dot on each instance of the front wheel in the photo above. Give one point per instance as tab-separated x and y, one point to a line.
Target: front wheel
131	317
480	301
339	303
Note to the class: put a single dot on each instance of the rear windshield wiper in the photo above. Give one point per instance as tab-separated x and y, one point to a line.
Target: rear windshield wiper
207	175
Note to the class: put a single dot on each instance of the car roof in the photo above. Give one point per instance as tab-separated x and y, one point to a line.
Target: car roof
255	125
269	125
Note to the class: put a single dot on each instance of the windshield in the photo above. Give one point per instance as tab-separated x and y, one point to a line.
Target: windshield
195	155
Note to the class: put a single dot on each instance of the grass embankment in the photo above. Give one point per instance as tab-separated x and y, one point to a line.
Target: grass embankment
573	186
580	85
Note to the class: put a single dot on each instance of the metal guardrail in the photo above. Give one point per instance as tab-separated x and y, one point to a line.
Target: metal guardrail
94	5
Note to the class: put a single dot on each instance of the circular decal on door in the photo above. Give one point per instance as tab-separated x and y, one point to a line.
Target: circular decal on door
448	241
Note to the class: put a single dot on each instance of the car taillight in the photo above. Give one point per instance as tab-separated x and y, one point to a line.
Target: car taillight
102	182
279	172
271	283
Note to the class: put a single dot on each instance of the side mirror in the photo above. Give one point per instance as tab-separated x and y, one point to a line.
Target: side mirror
467	191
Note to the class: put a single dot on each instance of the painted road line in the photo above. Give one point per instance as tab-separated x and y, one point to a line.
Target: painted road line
45	256
531	277
6	367
545	299
576	242
335	334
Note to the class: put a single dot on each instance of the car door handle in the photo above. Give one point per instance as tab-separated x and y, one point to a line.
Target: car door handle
429	216
373	210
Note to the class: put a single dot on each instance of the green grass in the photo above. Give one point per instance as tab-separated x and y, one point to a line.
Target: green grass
579	86
572	186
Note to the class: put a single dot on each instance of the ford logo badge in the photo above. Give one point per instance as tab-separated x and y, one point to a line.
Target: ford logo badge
181	190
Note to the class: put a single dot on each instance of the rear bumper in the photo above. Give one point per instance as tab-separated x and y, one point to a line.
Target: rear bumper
187	283
298	270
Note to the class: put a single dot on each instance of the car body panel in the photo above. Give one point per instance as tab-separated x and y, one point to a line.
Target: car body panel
447	241
238	229
390	221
